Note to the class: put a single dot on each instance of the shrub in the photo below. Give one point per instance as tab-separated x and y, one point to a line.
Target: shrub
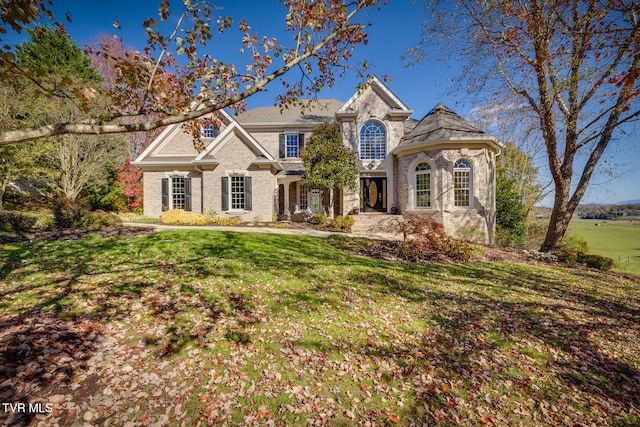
318	218
181	217
71	214
572	249
342	223
44	220
68	214
14	222
597	261
423	229
224	220
100	219
456	249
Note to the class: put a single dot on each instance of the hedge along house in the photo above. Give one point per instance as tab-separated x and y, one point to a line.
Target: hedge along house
442	167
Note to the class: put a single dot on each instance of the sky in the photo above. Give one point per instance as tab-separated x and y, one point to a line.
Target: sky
393	29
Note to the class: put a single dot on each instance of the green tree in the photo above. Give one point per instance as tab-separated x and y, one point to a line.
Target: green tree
74	160
511	214
515	165
328	163
17	161
52	56
575	65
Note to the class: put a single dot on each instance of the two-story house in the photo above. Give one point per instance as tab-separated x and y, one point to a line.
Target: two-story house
441	166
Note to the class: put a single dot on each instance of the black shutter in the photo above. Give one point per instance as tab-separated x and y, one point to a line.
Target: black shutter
283	148
187	194
300	143
165	194
225	193
247	193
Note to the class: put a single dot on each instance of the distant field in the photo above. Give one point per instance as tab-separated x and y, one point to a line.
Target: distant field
616	239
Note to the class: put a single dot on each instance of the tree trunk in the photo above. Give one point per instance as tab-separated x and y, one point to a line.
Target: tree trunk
560	218
330	204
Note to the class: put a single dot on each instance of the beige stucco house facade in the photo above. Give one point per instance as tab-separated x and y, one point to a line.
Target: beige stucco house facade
441	166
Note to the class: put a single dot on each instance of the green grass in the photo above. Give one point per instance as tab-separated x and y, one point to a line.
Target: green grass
189	327
617	240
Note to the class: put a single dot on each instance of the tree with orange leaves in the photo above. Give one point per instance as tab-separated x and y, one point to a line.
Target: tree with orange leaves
574	65
158	89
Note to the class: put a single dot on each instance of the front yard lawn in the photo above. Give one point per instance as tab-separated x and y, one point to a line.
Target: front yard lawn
204	328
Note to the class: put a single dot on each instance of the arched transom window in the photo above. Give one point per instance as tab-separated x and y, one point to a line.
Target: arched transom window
373	141
423	185
462	183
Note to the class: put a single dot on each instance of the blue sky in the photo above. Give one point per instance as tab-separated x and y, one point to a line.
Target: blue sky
394	28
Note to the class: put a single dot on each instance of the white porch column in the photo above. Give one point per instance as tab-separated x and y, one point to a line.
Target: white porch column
286	184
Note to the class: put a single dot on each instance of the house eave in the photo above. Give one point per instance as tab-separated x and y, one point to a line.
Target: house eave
400	114
144	163
266	162
346	115
446	143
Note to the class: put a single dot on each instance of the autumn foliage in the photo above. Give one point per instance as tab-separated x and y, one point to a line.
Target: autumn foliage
157	85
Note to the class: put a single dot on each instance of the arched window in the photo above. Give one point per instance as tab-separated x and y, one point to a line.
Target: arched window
423	185
462	183
373	141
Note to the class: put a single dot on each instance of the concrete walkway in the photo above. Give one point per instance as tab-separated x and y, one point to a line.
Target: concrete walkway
268	230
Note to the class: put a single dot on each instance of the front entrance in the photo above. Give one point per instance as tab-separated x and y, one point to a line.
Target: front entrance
373	194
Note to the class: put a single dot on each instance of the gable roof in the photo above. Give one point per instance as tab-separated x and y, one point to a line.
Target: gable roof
310	112
220	140
398	107
442	124
170	132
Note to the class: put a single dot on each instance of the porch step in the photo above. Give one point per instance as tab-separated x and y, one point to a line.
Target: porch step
376	223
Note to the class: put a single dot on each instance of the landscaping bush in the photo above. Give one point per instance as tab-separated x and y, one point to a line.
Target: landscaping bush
225	220
342	223
15	222
597	261
181	217
456	249
422	229
100	219
68	214
573	248
318	218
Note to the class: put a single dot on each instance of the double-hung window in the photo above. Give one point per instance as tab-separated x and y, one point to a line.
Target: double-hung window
291	144
462	183
236	193
423	185
176	193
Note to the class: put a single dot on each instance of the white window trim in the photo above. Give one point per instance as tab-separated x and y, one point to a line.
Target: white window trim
386	141
299	186
229	174
171	176
411	181
471	184
286	151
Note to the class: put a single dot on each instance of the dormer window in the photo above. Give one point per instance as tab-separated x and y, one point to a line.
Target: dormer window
210	131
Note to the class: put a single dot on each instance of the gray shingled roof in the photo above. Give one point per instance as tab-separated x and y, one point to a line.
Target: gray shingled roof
441	124
318	111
